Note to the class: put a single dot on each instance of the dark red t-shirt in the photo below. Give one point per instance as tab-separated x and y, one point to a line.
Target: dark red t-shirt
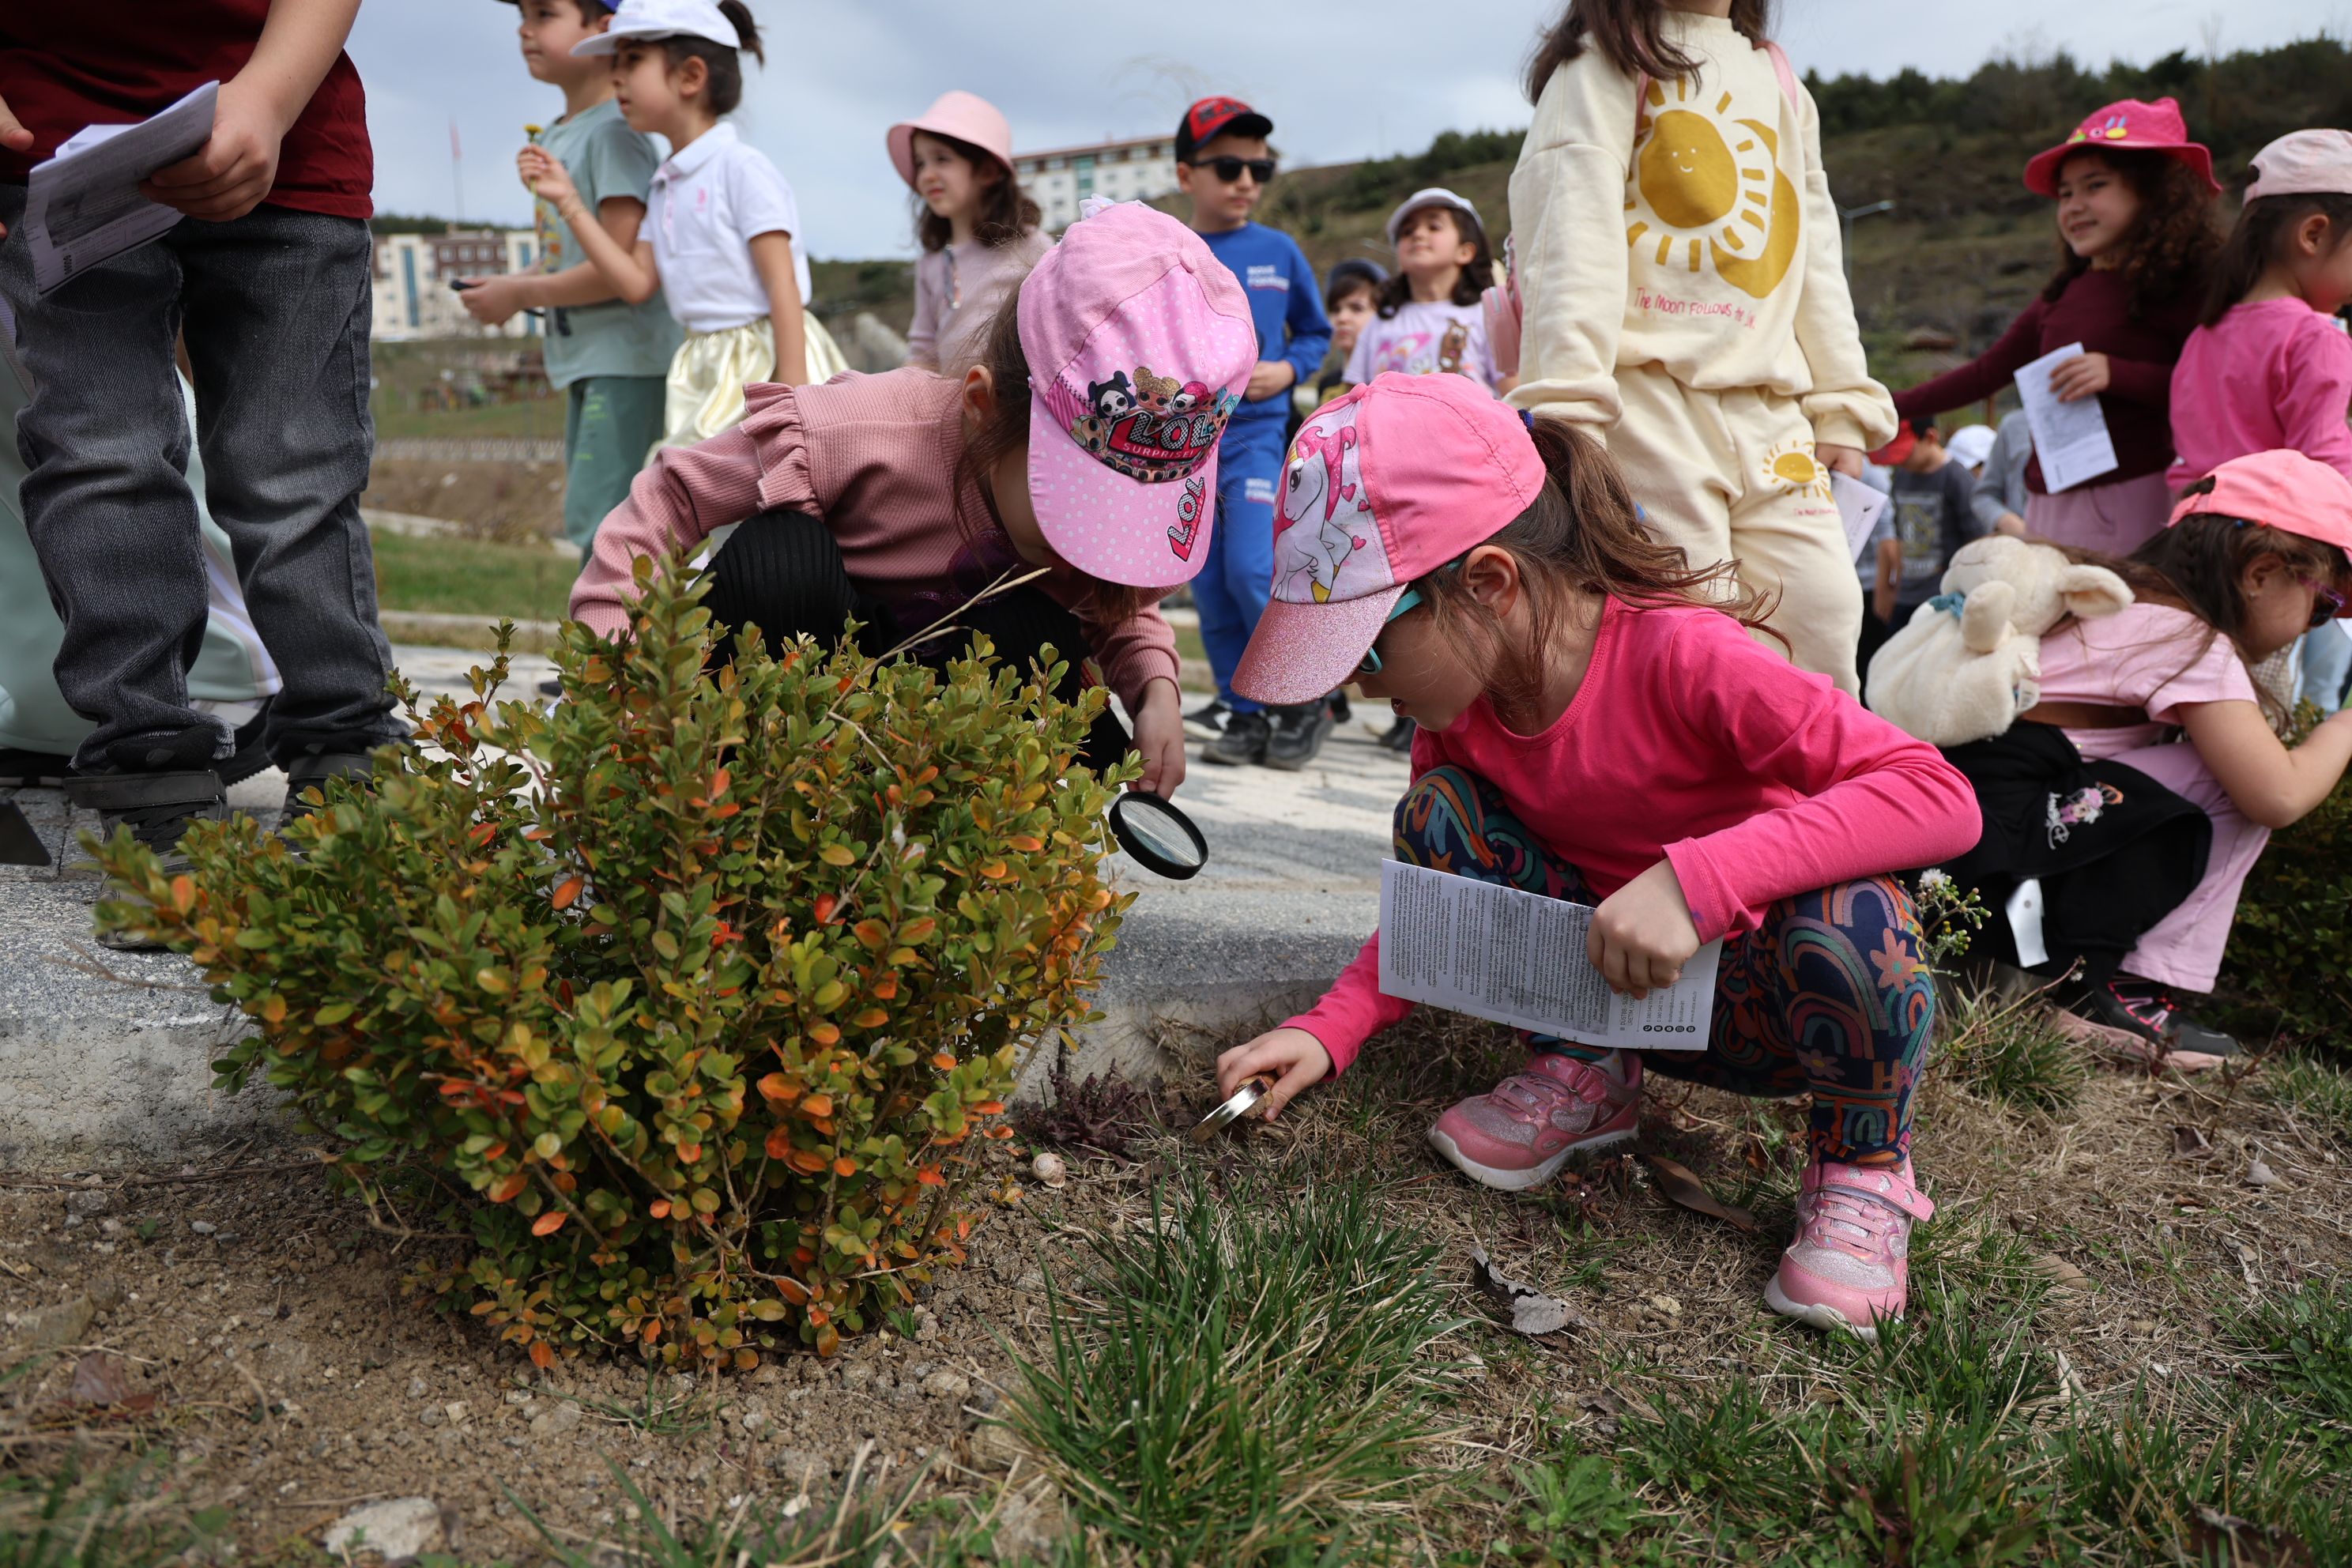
65	64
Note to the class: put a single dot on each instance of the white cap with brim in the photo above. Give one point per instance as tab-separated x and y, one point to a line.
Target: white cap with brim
1434	196
663	19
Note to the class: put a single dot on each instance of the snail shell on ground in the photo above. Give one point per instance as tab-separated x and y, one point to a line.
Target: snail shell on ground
1051	1170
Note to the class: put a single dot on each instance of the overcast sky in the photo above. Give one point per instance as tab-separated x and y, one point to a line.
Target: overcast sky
840	71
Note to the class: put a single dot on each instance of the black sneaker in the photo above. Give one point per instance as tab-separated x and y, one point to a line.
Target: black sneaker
306	774
1298	734
1207	721
249	758
1399	737
550	688
158	808
21	768
1243	740
2144	1008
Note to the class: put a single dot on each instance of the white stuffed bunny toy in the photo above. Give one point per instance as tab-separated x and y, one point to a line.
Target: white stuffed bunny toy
1970	661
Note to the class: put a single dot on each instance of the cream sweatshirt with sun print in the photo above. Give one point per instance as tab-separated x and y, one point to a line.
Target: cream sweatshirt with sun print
1706	244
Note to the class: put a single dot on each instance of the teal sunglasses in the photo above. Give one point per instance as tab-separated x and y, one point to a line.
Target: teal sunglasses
1370	663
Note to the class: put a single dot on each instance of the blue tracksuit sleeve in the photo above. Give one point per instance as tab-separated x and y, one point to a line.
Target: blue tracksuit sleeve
1309	324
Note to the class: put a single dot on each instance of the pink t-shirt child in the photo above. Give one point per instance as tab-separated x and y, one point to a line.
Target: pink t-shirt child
1691	742
2150	656
2269	375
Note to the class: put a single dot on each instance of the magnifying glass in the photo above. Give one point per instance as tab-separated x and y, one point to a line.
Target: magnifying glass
1157	835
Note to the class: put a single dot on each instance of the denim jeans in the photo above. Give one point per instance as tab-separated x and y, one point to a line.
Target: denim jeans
275	308
2326	661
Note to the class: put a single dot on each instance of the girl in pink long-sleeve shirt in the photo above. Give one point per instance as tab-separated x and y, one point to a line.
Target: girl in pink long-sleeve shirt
1590	731
893	499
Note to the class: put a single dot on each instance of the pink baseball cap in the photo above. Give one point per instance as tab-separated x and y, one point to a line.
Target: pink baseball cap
967	117
2303	162
1383	485
2281	490
1140	345
2129	125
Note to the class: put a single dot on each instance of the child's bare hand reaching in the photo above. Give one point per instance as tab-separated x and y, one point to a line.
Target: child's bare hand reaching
1296	1057
544	175
1642	934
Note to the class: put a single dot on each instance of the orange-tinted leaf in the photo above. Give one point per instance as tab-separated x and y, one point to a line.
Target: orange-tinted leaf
872	1018
989	1107
825	904
817	1105
549	1222
779	1144
776	1086
542	1355
507	1189
807	1162
566	891
184	893
931	1176
793	1291
718	781
659	1208
1026	843
845	1166
944	1062
825	1033
690	1153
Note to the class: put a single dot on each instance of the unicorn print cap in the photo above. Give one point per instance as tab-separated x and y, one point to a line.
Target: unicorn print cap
1140	345
1384	485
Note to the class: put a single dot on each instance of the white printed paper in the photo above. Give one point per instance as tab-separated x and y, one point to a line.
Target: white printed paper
1859	506
1518	959
83	206
2070	439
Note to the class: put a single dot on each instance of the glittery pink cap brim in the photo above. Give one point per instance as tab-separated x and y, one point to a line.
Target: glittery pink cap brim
1301	652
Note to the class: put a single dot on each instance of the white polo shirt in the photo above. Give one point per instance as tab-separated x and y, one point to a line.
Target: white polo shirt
706	205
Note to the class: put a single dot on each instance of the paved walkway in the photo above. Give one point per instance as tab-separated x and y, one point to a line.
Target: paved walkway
106	1056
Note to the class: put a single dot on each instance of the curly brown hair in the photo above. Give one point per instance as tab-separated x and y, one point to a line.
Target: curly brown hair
2172	245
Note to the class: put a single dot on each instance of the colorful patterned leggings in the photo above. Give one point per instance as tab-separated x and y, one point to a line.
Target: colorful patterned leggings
1830	995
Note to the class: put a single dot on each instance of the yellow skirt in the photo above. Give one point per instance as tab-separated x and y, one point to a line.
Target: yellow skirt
707	374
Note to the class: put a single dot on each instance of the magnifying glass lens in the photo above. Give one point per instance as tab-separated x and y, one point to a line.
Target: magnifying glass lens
1158	836
1166	839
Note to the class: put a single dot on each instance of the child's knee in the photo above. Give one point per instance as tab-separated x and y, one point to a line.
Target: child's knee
1436	796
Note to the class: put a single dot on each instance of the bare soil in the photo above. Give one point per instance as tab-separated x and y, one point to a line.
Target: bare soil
507	503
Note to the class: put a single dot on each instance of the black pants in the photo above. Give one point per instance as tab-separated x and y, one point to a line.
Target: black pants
783	573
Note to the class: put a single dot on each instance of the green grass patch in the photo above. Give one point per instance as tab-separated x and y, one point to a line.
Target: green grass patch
2308	1337
2311	1085
471	578
1249	1380
2009	1052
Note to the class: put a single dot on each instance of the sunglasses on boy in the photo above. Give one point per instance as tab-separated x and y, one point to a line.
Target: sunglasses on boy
1229	169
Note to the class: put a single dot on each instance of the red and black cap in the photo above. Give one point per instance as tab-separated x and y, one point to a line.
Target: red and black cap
1214	117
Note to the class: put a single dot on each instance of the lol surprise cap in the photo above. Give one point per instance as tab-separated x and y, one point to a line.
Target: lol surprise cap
1383	485
965	116
2303	162
662	19
1140	345
2281	490
2130	125
1434	196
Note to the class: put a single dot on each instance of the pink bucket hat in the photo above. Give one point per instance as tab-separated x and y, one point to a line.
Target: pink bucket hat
1140	345
2303	162
2281	490
967	117
1383	485
2129	125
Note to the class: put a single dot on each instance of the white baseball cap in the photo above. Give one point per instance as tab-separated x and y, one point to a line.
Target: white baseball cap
1971	445
2313	162
1434	196
663	19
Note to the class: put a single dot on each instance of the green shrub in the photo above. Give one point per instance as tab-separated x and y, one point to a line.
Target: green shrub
695	992
2290	954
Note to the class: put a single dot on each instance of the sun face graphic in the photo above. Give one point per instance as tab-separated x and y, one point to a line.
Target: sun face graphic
1709	191
1791	465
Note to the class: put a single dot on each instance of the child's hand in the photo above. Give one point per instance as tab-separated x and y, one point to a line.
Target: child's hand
492	300
1846	461
1268	377
544	176
1296	1055
227	176
1642	934
2084	375
1160	738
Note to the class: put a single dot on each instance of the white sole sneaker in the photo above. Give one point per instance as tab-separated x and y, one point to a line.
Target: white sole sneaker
1534	1175
1817	1315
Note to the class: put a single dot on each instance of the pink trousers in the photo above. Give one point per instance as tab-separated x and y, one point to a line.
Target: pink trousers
2184	949
2114	519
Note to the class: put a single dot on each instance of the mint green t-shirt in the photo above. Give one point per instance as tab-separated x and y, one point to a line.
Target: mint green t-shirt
605	159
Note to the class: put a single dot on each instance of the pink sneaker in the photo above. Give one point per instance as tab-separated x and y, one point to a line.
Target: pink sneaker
1519	1133
1845	1267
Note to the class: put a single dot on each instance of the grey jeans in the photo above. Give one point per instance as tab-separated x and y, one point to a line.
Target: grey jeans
275	308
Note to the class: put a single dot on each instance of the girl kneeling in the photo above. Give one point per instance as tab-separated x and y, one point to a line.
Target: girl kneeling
1592	730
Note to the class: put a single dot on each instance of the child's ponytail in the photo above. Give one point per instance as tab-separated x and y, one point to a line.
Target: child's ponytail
725	94
1583	534
1630	36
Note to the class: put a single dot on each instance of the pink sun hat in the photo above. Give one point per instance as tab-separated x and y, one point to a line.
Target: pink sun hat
2281	490
966	117
1383	485
2128	124
1140	345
